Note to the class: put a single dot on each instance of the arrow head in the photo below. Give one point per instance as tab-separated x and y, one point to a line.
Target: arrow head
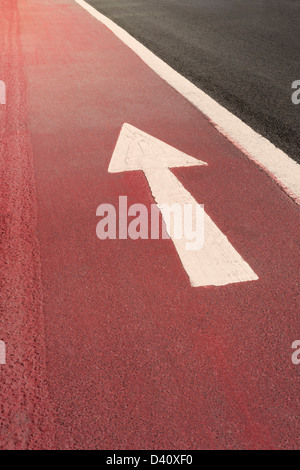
136	150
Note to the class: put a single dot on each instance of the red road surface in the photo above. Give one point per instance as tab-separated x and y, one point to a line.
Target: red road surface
132	355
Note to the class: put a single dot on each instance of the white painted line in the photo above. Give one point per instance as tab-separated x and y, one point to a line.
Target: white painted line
276	163
2	92
216	263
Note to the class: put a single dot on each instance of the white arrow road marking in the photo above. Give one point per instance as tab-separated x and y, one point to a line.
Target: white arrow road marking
217	263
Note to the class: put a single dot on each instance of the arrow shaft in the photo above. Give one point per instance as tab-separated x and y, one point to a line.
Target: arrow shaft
217	262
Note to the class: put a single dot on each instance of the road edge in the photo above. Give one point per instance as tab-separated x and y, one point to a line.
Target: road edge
277	164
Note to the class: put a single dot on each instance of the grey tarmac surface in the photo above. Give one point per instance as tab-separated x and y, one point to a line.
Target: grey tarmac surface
245	54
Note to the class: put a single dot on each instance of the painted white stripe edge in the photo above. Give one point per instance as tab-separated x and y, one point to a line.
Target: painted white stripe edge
278	165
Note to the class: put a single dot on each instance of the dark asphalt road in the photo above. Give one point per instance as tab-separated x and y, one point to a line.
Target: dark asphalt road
245	54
